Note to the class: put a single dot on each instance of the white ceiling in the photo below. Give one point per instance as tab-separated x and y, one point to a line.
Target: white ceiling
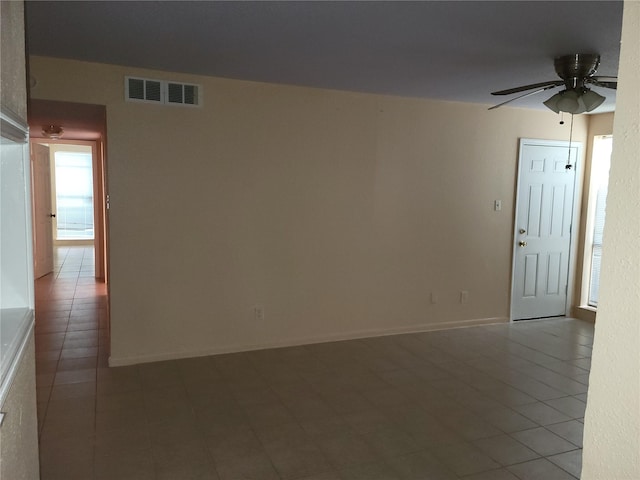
450	50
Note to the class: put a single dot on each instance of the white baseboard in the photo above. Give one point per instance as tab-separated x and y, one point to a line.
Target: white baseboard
158	357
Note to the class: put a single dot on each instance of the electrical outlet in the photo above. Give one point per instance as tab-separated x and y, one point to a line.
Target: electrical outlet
434	297
464	296
258	313
497	205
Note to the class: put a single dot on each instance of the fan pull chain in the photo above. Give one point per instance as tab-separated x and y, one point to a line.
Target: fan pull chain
568	166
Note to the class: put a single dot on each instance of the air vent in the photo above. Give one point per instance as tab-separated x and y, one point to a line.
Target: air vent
136	89
152	91
162	92
182	93
143	90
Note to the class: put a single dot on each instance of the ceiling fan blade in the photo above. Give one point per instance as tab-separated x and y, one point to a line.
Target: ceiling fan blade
548	87
524	88
602	78
605	84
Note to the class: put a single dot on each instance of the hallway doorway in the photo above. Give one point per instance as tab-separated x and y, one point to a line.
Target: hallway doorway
69	182
79	124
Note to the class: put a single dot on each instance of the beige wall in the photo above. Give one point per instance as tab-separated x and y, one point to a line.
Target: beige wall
338	212
19	432
612	426
12	74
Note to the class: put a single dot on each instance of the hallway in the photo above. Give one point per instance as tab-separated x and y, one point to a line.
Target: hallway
72	342
497	402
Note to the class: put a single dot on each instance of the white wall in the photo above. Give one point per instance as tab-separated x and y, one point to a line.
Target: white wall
338	212
612	422
19	432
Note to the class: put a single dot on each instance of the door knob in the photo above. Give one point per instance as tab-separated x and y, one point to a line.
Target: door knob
522	244
52	215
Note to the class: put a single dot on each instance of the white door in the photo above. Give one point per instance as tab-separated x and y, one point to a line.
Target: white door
42	214
543	229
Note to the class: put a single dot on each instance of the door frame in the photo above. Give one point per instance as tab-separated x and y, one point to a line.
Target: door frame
99	220
575	216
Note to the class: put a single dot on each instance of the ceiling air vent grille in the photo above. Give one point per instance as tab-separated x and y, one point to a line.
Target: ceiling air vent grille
152	91
161	92
143	90
182	93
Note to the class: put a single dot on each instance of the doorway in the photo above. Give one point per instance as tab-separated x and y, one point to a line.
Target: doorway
87	274
543	244
84	126
65	179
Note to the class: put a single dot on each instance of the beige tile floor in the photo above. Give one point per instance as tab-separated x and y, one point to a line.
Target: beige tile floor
501	402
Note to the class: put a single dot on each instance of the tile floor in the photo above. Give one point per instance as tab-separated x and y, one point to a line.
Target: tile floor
503	402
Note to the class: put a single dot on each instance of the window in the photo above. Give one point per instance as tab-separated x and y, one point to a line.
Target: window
74	195
600	163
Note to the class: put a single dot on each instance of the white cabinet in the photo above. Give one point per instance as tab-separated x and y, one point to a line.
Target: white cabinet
16	248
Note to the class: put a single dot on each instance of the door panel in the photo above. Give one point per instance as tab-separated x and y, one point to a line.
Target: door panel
42	211
554	273
535	210
543	230
530	275
558	211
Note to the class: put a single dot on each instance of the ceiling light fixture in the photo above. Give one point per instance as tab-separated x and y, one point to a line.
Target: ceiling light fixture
53	131
574	101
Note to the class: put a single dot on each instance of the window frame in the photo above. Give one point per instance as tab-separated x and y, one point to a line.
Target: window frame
590	223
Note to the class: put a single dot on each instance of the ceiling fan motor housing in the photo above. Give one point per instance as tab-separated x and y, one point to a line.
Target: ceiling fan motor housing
575	69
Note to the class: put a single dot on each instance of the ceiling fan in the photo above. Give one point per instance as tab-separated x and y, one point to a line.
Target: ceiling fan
577	72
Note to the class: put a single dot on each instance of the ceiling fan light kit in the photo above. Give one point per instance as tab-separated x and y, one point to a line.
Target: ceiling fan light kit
574	101
53	132
576	71
592	100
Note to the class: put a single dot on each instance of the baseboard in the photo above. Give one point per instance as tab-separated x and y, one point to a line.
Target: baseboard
585	313
73	243
147	358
